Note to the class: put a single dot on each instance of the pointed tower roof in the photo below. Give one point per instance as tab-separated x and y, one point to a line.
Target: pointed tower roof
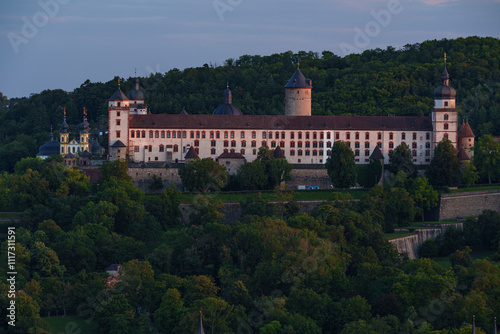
462	155
191	154
298	80
278	153
445	91
183	112
118	95
465	131
200	328
376	154
227	108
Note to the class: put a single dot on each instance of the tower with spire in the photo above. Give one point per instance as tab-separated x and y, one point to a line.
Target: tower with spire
118	111
298	95
64	135
445	115
84	133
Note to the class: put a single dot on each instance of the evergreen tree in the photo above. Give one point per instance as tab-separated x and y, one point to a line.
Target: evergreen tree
341	166
444	169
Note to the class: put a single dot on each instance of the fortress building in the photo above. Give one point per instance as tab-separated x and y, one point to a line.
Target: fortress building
139	136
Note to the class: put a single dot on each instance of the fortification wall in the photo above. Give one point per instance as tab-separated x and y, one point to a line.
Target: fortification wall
410	245
142	176
472	203
309	177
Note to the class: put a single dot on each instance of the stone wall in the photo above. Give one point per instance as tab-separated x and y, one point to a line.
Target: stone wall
472	203
410	244
141	176
309	177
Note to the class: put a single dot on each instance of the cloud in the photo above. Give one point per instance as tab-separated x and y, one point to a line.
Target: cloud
439	2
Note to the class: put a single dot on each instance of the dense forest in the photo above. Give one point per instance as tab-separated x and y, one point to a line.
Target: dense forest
276	271
376	82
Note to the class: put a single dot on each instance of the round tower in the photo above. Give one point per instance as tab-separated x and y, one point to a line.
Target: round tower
466	139
298	95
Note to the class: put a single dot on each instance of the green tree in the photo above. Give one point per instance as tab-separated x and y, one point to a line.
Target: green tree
168	316
487	158
469	174
423	194
399	209
444	169
341	166
206	210
117	168
252	175
45	261
165	207
203	175
156	183
401	159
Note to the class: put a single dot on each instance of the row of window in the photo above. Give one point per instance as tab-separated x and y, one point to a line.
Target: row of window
213	143
265	135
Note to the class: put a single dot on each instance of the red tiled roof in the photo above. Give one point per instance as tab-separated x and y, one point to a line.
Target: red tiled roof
462	155
465	131
280	122
230	155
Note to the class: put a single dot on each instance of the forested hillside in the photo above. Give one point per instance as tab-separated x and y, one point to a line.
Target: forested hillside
376	82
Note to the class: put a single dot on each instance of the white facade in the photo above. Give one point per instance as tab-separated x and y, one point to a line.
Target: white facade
139	137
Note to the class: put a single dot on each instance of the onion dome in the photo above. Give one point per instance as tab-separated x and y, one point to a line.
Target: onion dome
465	131
298	80
278	153
135	93
445	91
84	126
227	108
64	126
462	155
49	148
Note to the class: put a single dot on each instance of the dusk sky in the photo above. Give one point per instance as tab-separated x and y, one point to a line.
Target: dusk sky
51	44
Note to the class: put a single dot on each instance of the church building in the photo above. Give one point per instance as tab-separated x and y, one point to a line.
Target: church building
139	136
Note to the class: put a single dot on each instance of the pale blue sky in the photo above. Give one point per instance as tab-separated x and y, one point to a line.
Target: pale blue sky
96	40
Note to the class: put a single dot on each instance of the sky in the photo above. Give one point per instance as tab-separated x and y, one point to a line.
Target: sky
59	44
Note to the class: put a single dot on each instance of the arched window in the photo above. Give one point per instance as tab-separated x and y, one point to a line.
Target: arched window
150	148
176	148
242	134
414	145
391	144
150	134
143	134
445	136
132	134
357	135
446	126
445	117
163	134
403	136
243	143
197	134
162	148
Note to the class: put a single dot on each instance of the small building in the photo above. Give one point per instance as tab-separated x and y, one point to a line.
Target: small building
232	161
113	269
70	160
